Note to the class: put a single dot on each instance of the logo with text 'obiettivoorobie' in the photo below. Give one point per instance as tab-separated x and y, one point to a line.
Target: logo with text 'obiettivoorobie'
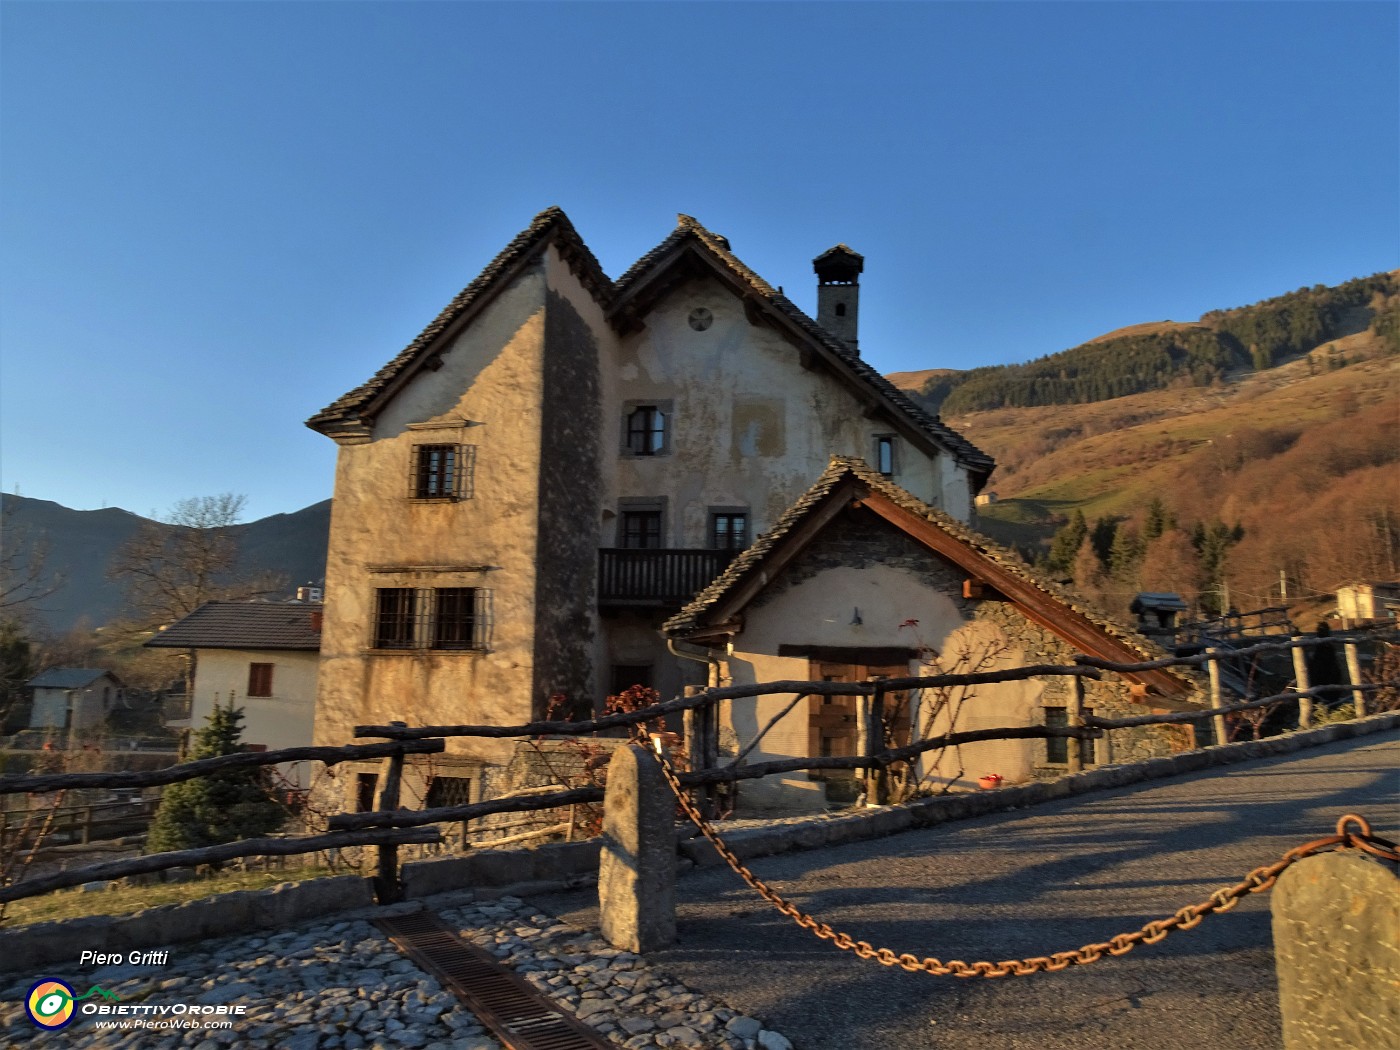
50	1003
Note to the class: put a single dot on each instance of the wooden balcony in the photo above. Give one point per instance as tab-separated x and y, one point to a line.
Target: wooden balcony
656	578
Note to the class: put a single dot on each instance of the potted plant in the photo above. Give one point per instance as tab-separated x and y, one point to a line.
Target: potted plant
990	782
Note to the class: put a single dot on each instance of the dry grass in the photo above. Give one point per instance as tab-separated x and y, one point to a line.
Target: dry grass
72	904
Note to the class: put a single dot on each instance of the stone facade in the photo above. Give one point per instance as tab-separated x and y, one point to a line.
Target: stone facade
530	376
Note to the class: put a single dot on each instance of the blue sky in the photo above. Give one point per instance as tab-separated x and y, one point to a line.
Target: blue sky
215	218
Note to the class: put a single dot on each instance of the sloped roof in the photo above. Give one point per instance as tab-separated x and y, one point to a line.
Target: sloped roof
245	625
858	370
553	226
850	476
549	226
69	678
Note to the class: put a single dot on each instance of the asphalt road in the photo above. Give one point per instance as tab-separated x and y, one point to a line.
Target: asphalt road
1032	882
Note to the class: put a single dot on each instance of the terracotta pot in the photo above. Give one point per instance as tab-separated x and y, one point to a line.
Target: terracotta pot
990	782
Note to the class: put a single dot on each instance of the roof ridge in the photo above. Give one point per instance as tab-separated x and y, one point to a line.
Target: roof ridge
856	467
546	222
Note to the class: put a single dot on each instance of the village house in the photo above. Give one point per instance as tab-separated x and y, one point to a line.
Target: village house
560	461
258	656
861	580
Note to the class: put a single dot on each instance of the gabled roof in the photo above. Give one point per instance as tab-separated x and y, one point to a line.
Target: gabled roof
69	678
648	278
550	226
714	610
245	625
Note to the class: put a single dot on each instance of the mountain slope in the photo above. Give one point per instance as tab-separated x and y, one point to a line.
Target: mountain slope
79	546
1304	458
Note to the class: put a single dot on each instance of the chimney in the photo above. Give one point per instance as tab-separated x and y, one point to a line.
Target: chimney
316	620
838	292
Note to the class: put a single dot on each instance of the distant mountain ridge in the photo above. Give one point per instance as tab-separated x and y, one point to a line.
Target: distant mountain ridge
1158	354
80	545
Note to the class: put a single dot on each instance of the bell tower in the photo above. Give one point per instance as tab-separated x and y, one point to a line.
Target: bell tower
838	292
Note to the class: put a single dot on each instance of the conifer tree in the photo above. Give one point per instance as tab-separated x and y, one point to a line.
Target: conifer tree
1065	544
222	807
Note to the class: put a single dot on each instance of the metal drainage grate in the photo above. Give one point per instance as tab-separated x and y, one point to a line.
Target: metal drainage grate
518	1015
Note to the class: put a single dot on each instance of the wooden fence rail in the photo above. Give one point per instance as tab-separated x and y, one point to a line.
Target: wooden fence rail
389	826
36	782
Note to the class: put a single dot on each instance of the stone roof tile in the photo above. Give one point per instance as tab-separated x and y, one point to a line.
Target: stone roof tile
693	615
550	224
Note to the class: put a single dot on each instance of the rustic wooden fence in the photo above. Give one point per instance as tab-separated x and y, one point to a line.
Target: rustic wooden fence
390	825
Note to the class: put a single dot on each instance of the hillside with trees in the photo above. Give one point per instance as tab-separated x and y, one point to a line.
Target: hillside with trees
1163	355
1271	488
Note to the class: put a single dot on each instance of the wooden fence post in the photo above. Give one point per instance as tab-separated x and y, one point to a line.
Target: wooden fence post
387	888
1300	679
877	779
1358	698
702	746
1075	748
1217	699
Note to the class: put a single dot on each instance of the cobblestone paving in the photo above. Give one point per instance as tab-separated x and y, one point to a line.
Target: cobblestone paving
341	985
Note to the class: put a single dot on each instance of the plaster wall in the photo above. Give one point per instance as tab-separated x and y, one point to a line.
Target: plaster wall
283	719
751	427
904	596
488	394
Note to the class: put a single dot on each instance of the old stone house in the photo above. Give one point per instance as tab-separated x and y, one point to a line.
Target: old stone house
559	461
259	656
860	579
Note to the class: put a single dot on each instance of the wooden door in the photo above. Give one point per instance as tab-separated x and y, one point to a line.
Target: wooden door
834	721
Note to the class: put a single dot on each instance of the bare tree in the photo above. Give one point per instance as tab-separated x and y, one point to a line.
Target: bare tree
24	574
171	568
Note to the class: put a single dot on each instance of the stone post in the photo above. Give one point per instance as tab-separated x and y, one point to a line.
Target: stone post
637	869
1337	950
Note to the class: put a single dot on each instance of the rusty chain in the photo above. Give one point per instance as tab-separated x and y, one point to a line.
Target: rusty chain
1257	881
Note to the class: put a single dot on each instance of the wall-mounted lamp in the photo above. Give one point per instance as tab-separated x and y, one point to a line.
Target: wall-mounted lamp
856	621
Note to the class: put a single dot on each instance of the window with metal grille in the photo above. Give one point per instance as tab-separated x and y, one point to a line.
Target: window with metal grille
454	618
1057	747
396	616
260	679
646	431
444	618
448	791
442	472
729	531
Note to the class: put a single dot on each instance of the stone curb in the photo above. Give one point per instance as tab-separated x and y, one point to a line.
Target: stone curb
494	873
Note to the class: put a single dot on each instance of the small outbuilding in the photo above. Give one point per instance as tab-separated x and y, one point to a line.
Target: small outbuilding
860	580
73	699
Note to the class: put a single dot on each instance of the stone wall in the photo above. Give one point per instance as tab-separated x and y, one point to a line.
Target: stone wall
1110	697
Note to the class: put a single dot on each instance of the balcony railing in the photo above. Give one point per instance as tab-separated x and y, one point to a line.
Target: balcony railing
656	577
